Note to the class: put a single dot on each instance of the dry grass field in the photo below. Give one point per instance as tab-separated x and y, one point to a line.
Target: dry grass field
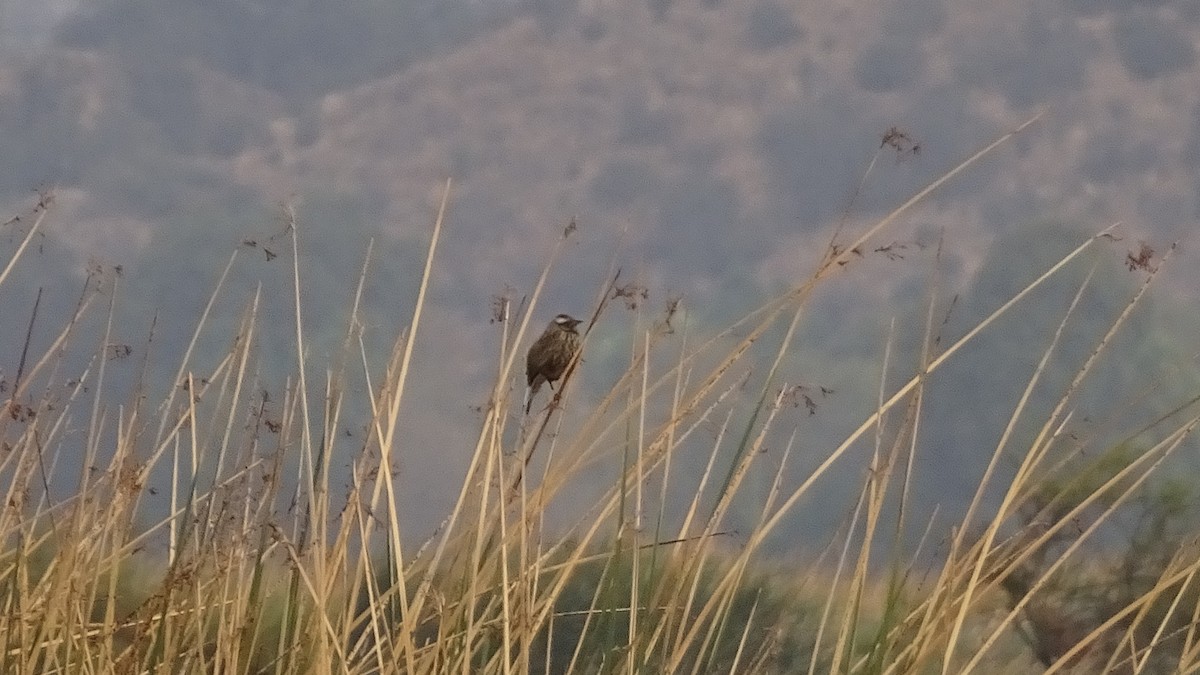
268	568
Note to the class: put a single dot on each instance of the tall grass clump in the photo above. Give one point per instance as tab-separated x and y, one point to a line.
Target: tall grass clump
262	564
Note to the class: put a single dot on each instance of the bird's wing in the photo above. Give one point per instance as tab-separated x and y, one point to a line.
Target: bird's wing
539	357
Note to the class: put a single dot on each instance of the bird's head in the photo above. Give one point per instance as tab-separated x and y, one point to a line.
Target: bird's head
566	322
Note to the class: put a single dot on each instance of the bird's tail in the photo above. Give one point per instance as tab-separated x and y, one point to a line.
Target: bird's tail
530	392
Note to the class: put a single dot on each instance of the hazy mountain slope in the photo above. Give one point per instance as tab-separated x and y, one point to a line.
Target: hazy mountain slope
716	143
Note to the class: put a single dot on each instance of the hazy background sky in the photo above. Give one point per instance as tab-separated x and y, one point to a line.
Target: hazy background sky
714	144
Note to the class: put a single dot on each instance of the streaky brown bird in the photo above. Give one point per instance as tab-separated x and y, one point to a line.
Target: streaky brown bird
550	354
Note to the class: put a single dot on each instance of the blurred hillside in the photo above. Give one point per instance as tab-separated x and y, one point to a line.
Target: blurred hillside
715	144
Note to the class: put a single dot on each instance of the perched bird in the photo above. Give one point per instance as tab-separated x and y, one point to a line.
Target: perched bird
551	354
